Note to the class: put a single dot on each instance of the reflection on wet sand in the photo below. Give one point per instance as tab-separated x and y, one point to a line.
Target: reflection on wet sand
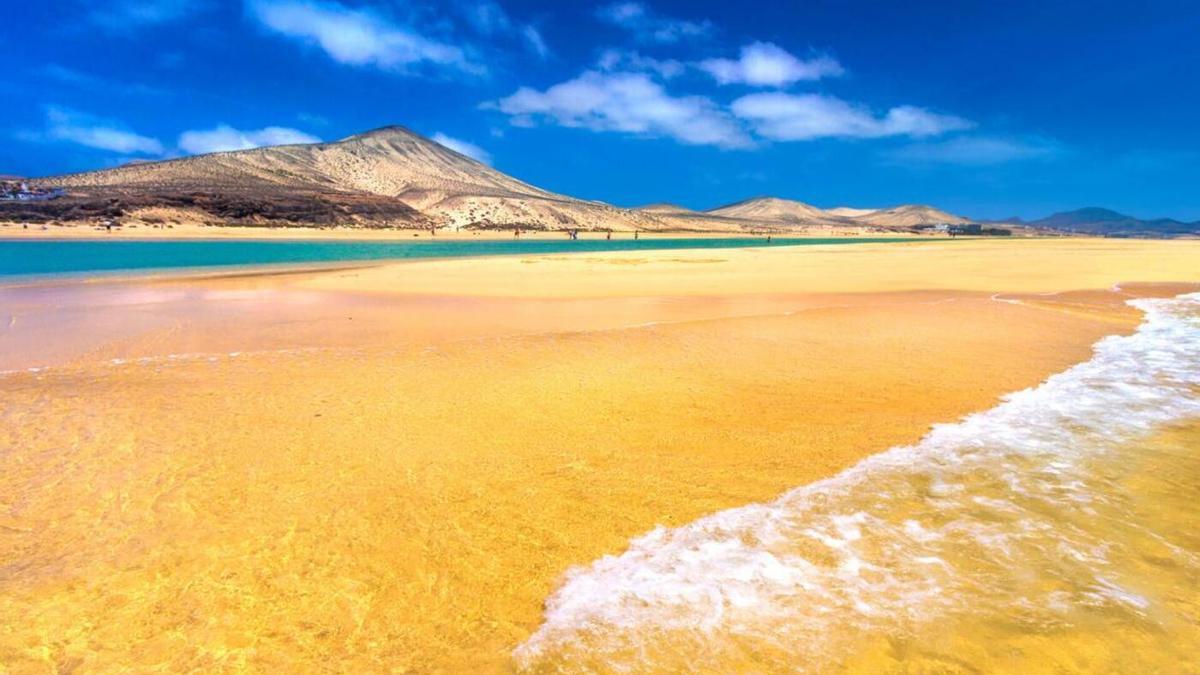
250	473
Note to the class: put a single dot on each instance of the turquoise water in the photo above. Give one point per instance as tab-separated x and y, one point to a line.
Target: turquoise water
29	259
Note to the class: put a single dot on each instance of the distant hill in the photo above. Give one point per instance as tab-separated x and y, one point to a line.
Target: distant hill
786	211
393	177
771	210
386	177
1096	220
909	216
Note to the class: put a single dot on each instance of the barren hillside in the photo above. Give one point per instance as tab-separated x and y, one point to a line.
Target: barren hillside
393	177
385	177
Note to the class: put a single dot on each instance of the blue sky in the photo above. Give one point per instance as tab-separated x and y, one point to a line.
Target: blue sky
989	109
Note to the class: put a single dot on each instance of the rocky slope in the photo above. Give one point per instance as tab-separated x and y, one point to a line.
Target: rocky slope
392	177
387	177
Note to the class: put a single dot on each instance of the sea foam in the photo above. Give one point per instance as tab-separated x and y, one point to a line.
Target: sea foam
1018	512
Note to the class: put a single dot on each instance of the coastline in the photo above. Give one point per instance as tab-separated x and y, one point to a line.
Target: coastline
90	260
407	494
184	231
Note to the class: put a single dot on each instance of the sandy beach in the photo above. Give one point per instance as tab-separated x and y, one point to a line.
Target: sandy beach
390	468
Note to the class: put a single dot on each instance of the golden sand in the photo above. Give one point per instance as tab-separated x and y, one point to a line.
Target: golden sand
399	463
1018	265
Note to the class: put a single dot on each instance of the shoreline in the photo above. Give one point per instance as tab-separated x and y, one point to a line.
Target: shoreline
1177	247
12	230
293	267
408	492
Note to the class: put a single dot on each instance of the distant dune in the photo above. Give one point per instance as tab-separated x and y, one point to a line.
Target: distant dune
393	177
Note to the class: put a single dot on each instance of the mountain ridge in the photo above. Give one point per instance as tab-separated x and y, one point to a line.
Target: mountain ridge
392	176
1103	221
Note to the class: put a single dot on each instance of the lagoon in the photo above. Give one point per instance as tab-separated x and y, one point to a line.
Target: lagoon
33	259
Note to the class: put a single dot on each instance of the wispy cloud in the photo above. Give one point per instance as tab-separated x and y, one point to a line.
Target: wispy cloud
64	124
358	36
125	16
490	19
767	65
487	17
976	151
533	38
787	117
463	147
625	102
648	26
619	59
225	137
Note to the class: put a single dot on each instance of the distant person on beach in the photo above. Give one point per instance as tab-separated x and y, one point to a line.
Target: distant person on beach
609	235
635	235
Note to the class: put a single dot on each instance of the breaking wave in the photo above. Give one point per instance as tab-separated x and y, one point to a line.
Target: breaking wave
1027	518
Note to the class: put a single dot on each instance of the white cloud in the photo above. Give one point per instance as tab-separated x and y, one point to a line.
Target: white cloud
63	124
788	117
463	147
766	64
533	38
488	18
617	59
357	36
625	102
224	137
976	151
650	27
127	15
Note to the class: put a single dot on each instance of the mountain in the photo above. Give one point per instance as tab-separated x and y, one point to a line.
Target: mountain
385	177
772	210
788	212
1096	220
682	219
393	177
910	215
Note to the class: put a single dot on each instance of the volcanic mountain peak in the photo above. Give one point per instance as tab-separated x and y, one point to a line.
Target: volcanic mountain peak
771	209
391	161
387	176
394	176
1097	220
909	215
1084	216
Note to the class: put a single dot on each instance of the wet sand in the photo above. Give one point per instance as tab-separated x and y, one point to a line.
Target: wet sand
390	468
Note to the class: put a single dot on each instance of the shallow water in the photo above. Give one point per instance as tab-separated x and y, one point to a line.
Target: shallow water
1059	531
25	259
